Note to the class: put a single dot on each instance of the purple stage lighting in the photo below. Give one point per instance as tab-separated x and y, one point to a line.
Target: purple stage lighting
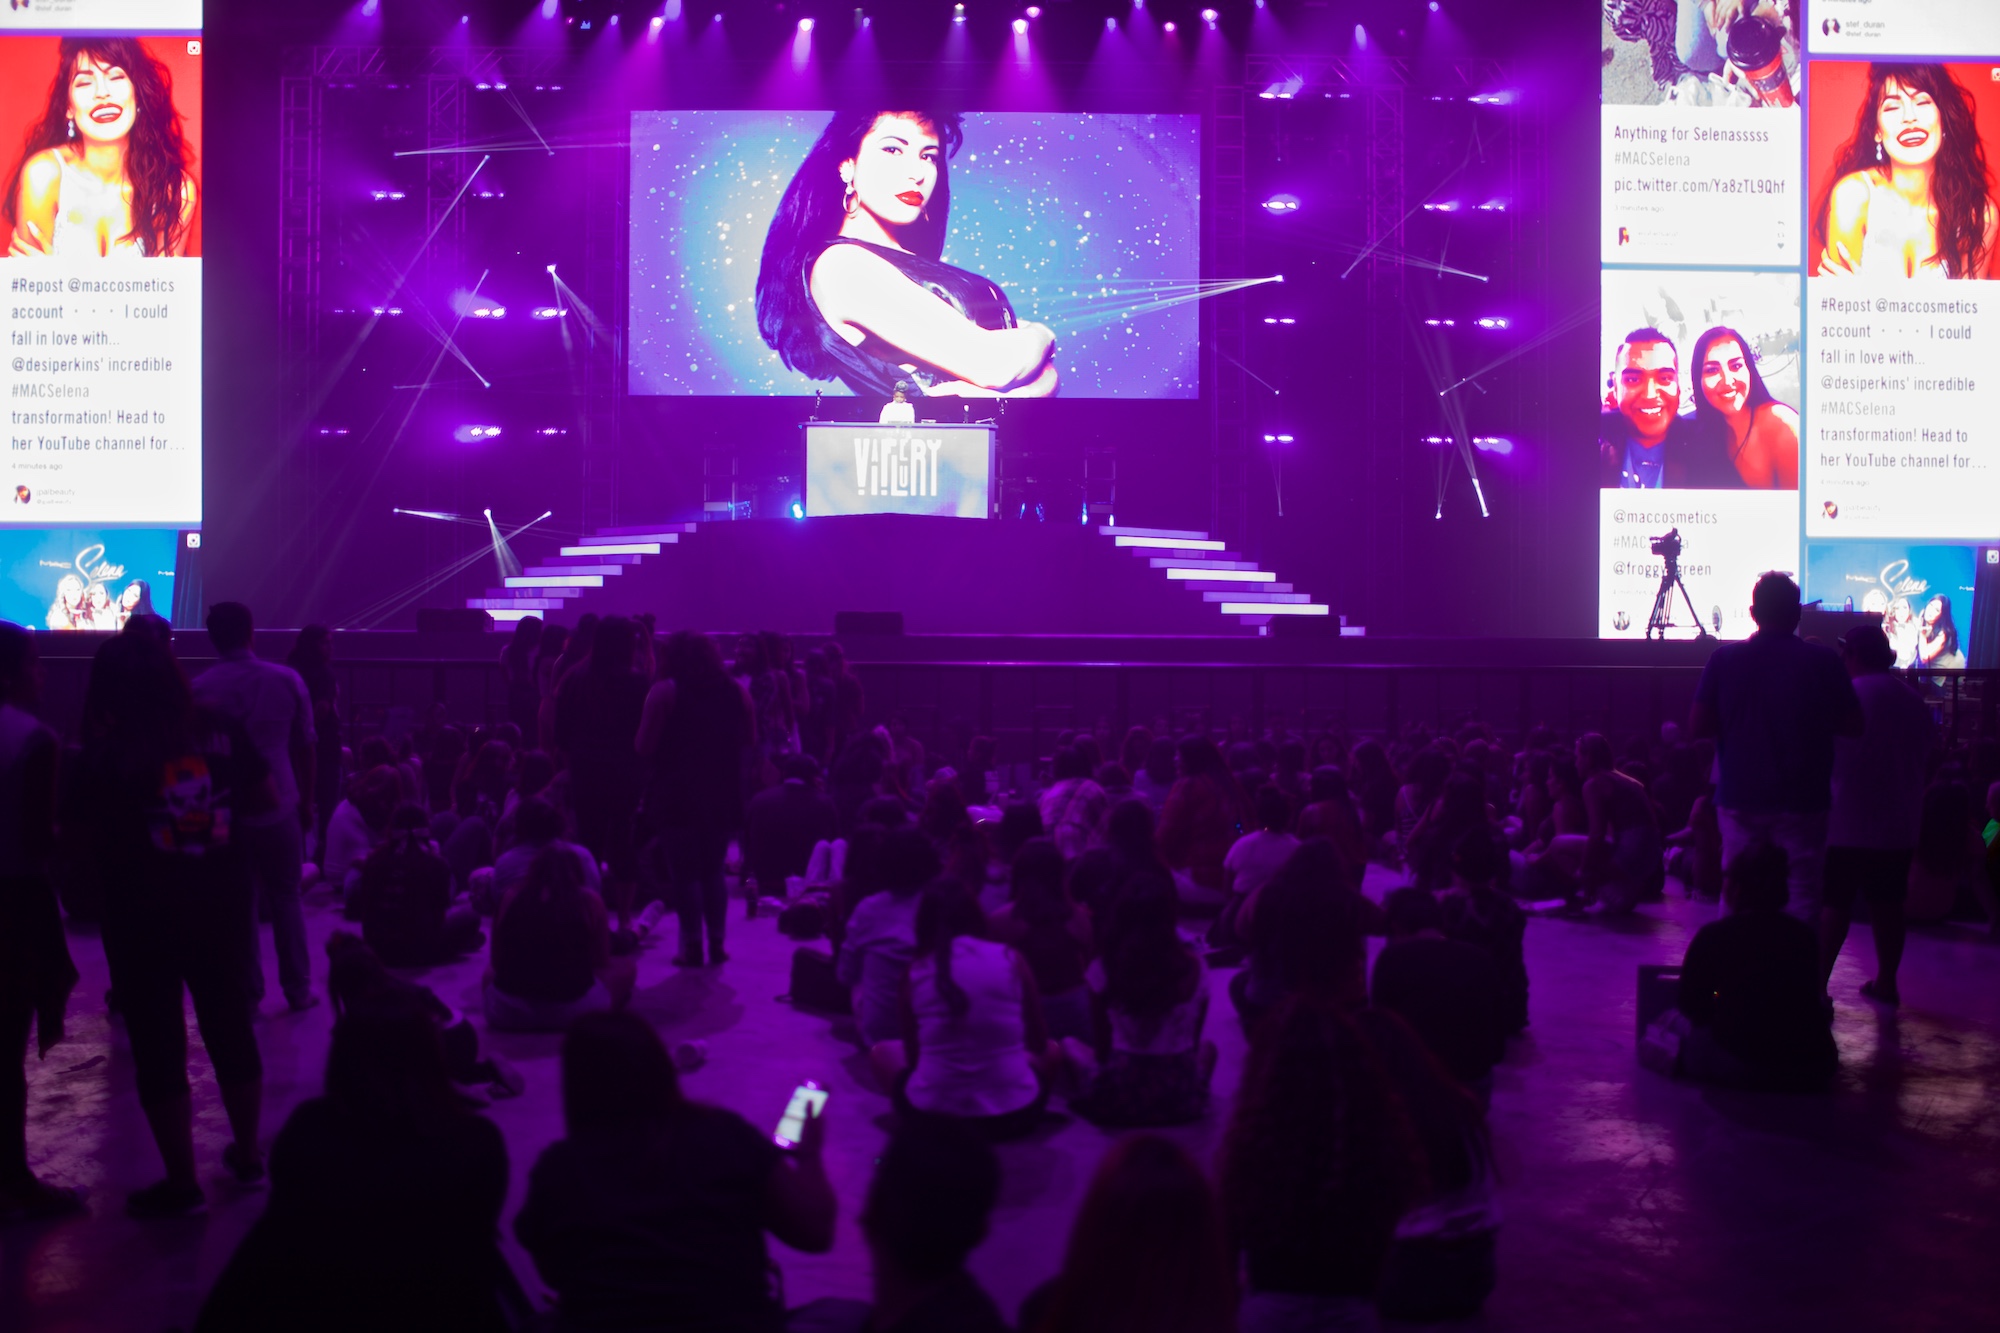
1493	322
805	25
798	509
1020	27
382	195
614	18
1279	319
1111	25
1209	17
370	8
1281	203
1034	11
1442	323
1434	6
1168	26
958	13
1360	36
1493	206
549	8
1447	206
1277	439
548	312
552	430
468	434
672	13
1493	444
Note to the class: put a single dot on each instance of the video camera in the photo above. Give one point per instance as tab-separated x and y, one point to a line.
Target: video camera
1668	548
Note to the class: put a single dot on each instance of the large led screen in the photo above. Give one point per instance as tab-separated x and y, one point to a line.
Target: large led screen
1799	227
974	256
101	208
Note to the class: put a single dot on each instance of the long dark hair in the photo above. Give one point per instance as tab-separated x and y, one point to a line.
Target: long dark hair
386	1067
157	156
1961	184
1037	885
1146	1253
1946	623
809	217
948	910
1148	972
138	704
1321	1151
1707	418
616	1074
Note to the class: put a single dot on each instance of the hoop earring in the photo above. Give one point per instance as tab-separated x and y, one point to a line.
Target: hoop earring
847	200
72	127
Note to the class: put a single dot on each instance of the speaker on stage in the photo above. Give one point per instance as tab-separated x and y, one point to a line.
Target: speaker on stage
453	620
867	622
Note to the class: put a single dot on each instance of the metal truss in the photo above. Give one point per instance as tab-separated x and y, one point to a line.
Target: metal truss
1229	421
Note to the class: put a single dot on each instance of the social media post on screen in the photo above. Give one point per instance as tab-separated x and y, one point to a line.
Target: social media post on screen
1864	28
972	255
1720	542
86	578
1923	592
100	290
1698	380
183	16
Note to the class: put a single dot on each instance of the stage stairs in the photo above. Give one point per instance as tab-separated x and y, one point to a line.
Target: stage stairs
1245	597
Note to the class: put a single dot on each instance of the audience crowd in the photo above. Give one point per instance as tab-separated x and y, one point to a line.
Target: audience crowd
997	938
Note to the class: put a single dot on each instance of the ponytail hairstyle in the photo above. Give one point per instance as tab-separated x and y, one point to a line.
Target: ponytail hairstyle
948	910
808	219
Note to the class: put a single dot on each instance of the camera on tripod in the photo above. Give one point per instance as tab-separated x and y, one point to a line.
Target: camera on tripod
1668	548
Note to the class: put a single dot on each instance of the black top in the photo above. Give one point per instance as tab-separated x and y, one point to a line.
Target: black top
372	1229
597	719
780	827
1693	459
1449	993
1777	701
697	779
402	899
874	367
656	1227
1753	979
547	950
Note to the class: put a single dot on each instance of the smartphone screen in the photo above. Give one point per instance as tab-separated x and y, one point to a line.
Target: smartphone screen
809	1098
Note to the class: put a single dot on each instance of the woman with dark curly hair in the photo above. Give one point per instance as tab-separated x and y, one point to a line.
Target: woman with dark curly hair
105	170
851	285
1912	195
1741	416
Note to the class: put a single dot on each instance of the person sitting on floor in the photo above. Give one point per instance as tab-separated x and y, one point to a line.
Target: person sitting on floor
928	1209
385	1199
1477	912
1447	990
1147	1063
880	937
1074	806
357	827
651	1212
1146	1252
538	826
1331	814
1204	815
552	952
973	1042
1253	859
1751	988
1052	933
783	824
404	899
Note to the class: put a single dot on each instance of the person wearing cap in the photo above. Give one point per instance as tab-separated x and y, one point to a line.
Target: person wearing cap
1878	800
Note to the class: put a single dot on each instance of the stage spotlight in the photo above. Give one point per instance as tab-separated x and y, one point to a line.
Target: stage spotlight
1442	323
1279	319
1111	25
547	312
1020	27
1448	206
1168	26
379	195
552	430
614	18
1493	444
1493	322
672	13
468	434
1209	17
659	22
1360	36
798	510
1493	206
958	13
805	25
549	8
487	512
1034	11
464	18
1281	203
1277	439
1434	6
370	8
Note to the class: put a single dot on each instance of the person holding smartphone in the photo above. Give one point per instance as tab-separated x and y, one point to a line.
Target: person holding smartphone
652	1212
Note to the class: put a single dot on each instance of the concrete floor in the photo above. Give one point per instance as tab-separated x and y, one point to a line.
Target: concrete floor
1632	1202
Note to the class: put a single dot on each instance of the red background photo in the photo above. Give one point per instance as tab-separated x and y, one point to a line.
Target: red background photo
1836	89
28	66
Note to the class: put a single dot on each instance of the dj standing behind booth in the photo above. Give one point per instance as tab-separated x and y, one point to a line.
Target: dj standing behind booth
898	411
851	285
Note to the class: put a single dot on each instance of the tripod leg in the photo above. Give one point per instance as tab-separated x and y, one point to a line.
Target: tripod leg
1701	630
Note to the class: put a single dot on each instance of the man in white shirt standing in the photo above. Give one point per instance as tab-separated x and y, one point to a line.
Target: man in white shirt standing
271	703
1878	803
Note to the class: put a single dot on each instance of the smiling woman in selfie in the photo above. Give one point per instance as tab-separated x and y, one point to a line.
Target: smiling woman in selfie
852	287
1912	195
105	171
1759	434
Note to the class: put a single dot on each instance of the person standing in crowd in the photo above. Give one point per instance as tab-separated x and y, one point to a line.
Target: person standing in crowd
312	658
782	825
270	702
164	788
597	714
36	974
517	673
1774	704
696	729
1878	803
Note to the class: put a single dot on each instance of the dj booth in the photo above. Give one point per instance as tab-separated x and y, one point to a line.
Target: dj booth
929	468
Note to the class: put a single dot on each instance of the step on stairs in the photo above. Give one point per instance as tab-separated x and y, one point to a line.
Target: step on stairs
554	583
1220	577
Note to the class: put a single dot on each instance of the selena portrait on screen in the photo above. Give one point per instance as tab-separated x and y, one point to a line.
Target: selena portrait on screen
105	169
852	285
